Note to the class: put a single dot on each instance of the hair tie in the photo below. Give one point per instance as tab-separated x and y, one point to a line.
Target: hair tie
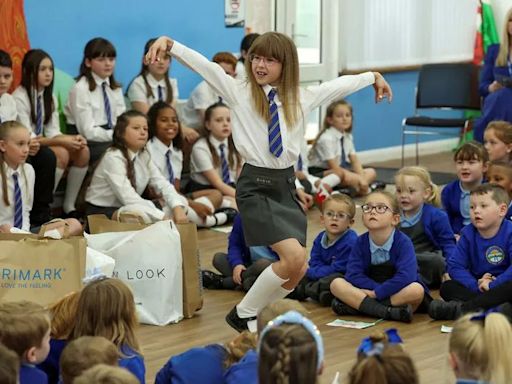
482	315
370	348
294	317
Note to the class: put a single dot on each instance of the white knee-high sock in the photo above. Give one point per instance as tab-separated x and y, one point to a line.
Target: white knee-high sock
209	221
75	179
205	201
226	203
260	293
331	180
58	175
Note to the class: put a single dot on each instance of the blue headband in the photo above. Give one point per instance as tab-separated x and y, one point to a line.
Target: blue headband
369	348
482	315
294	317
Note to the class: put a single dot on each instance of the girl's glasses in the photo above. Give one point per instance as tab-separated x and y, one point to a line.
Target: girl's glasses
380	208
268	61
336	215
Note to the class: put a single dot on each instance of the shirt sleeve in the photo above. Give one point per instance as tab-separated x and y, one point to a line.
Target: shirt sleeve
81	108
163	186
27	206
23	109
487	73
236	244
458	264
7	108
175	89
507	274
327	149
137	91
201	159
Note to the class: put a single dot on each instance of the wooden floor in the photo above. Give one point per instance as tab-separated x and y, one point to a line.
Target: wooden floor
423	339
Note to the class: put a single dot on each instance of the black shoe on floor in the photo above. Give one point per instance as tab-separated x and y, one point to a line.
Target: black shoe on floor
325	298
230	213
211	280
237	323
342	309
401	313
377	185
444	310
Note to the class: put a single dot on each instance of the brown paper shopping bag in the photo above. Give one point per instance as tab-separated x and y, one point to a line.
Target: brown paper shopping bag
40	270
192	289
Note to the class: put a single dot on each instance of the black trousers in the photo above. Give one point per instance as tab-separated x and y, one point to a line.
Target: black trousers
44	163
453	290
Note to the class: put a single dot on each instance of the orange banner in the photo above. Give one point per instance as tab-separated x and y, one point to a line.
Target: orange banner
13	34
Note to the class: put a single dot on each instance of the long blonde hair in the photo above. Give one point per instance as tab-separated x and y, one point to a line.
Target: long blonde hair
483	346
501	59
329	112
283	49
424	177
107	308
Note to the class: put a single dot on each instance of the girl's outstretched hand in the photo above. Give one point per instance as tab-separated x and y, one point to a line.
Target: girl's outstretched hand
382	88
159	49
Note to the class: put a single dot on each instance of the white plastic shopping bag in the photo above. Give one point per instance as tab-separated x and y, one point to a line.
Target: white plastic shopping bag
150	262
97	263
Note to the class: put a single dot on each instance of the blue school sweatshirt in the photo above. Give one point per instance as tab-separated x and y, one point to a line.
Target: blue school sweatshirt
133	362
402	256
474	256
197	365
30	374
51	365
333	259
450	197
245	371
436	226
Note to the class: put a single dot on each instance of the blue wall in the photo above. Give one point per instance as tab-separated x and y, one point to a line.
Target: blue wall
63	27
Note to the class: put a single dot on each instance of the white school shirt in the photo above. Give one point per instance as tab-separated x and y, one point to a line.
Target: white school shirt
137	90
26	179
8	110
240	70
110	186
201	160
86	109
50	129
328	147
250	131
200	98
158	151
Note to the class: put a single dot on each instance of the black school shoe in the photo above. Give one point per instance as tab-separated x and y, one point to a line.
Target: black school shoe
377	186
325	298
402	313
444	310
212	280
237	323
342	309
230	213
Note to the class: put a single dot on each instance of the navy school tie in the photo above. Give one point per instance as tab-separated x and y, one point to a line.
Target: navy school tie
39	116
18	203
274	131
106	103
169	166
300	163
160	93
343	161
224	164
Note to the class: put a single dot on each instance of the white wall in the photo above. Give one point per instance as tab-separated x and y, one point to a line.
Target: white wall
500	8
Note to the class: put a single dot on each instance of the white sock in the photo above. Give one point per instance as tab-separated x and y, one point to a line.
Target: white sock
75	179
58	175
331	180
226	203
260	293
279	293
221	217
205	201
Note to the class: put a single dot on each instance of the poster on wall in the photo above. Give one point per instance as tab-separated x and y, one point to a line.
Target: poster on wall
234	13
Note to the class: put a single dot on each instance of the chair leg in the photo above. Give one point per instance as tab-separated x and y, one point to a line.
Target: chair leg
417	147
403	144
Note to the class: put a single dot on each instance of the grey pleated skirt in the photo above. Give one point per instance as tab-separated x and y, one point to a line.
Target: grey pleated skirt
269	206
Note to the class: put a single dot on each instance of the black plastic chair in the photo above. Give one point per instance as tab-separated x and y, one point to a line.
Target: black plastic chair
442	86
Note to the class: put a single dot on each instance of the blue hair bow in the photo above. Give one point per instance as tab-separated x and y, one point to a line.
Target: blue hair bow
369	348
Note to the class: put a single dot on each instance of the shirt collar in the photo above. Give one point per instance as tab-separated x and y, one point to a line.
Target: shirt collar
267	88
216	143
9	171
336	133
413	219
325	239
386	246
99	80
132	155
161	146
154	82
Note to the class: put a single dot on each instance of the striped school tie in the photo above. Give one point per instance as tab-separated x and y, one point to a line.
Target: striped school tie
274	131
106	103
169	166
18	203
160	93
343	161
39	116
300	163
225	168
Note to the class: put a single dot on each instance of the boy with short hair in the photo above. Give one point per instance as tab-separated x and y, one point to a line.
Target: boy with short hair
501	173
84	353
481	265
25	329
106	374
330	251
9	366
7	104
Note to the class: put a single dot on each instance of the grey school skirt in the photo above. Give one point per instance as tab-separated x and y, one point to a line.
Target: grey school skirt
269	206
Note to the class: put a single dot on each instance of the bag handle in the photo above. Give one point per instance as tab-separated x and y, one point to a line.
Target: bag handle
130	217
57	224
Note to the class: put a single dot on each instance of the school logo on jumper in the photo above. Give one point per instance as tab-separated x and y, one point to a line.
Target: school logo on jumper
494	255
